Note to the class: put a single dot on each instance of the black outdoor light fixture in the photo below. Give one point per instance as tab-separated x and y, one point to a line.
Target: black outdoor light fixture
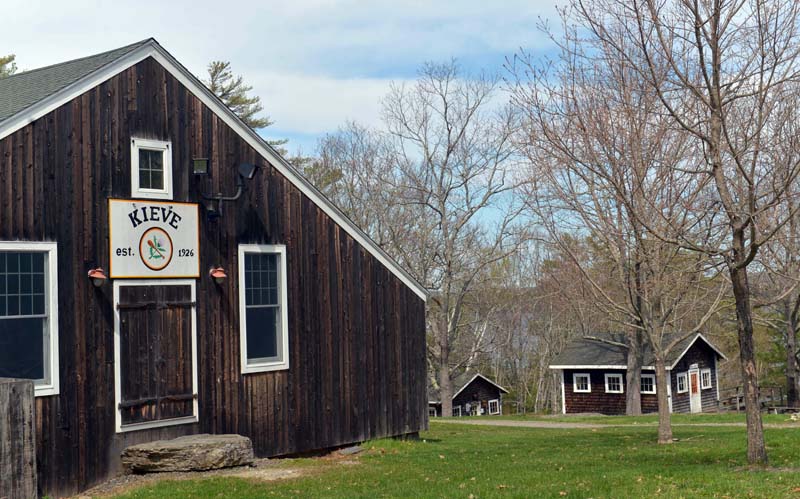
246	172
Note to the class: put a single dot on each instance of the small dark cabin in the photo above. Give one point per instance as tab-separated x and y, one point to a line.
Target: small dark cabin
145	307
593	376
475	395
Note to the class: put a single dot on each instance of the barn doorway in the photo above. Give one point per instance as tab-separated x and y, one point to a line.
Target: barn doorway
155	348
695	402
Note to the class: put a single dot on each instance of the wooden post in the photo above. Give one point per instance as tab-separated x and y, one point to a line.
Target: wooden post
17	440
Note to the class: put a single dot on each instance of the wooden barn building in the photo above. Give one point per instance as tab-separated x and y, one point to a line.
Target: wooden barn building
163	272
475	395
593	376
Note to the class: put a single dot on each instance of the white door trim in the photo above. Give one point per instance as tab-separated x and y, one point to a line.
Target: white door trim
695	399
117	347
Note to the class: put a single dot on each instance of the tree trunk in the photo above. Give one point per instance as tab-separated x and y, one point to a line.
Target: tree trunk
791	356
446	391
664	424
633	398
756	450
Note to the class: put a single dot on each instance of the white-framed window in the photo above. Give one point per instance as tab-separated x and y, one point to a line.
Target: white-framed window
581	383
613	383
680	380
431	412
494	406
29	314
648	385
457	411
705	379
263	311
151	169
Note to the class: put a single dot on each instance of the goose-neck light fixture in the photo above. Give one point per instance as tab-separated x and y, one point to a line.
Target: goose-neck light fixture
246	172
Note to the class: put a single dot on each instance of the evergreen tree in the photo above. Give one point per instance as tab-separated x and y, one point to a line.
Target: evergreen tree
232	90
7	65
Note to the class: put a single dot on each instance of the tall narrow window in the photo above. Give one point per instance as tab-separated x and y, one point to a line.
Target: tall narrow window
648	385
681	382
151	169
263	311
28	314
705	378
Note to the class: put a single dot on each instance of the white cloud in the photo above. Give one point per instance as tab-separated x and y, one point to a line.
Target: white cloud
315	63
316	104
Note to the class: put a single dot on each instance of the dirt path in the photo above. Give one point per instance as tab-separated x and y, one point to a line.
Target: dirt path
586	426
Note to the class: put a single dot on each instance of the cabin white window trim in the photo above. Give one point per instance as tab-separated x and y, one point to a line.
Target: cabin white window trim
614	383
49	385
682	383
494	406
159	146
578	386
705	379
431	412
282	331
457	411
651	382
124	428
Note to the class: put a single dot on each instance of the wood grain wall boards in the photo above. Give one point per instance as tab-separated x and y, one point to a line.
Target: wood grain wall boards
702	355
357	333
598	400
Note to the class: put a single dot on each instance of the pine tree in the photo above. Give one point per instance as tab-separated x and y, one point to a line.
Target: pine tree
7	65
232	90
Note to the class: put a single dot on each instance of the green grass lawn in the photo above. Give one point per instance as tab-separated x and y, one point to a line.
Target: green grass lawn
727	417
482	462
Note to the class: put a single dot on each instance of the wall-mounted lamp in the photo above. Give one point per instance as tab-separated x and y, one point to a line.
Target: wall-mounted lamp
246	172
218	274
200	166
98	277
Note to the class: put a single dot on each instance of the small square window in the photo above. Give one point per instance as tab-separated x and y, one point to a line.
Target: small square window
494	406
151	169
648	385
705	379
681	383
614	383
581	383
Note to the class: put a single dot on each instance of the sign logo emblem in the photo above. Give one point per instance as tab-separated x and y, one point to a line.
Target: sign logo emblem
155	248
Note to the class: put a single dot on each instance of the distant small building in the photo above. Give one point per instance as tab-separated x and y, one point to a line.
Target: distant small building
593	376
474	395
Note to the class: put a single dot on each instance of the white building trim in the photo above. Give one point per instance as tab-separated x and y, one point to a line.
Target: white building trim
152	49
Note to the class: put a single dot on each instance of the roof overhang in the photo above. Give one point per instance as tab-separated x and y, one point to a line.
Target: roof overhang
649	368
699	336
476	377
196	88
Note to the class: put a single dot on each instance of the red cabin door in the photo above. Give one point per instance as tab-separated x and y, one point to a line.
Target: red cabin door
695	402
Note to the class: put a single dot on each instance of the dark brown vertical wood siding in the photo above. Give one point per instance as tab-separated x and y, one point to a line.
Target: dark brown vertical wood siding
357	333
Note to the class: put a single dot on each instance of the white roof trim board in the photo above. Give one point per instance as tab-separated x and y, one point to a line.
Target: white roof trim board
473	379
648	368
699	335
154	50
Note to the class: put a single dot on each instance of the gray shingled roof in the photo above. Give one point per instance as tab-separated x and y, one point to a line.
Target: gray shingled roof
459	383
591	352
22	90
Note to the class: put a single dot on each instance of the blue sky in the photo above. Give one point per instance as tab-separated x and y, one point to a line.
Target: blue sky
314	63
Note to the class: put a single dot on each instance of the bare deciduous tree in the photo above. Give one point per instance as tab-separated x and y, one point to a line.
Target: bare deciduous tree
436	190
603	156
726	73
